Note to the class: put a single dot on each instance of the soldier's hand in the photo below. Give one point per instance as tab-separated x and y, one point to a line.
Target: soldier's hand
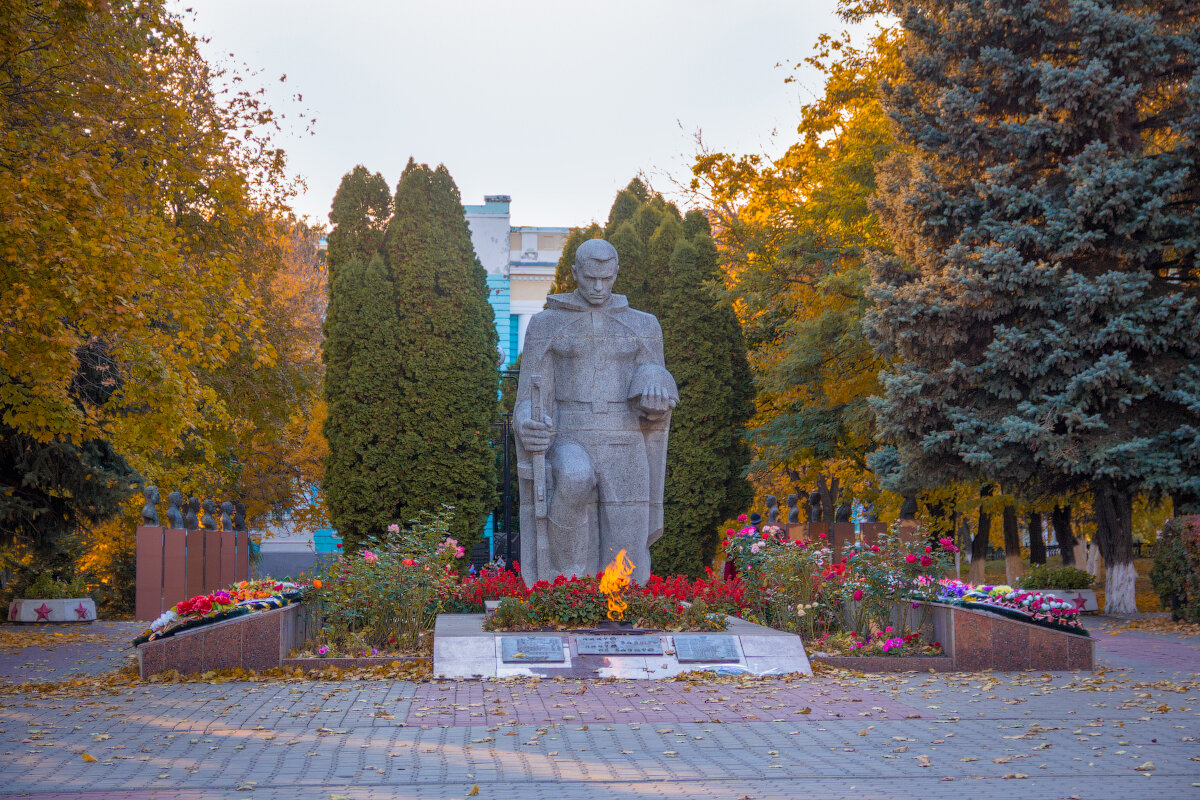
655	401
536	435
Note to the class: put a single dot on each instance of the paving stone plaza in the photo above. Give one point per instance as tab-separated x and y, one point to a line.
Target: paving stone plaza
1129	730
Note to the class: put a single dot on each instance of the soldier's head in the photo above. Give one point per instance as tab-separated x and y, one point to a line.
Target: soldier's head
595	271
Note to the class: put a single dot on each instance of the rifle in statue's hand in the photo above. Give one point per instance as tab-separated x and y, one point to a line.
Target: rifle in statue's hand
541	516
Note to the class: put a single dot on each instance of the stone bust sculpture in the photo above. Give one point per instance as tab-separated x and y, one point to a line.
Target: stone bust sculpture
190	516
593	410
772	510
149	512
227	516
207	521
174	515
814	506
793	501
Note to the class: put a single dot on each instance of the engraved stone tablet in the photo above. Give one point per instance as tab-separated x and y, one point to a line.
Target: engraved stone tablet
522	649
705	648
619	645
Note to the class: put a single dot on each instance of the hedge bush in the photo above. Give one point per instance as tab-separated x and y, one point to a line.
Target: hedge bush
1175	575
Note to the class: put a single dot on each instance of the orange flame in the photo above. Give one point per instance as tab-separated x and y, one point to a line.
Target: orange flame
614	582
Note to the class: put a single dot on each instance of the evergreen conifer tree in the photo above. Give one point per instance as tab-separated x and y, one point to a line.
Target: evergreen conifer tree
360	212
697	335
1041	310
633	279
668	267
626	205
365	468
446	354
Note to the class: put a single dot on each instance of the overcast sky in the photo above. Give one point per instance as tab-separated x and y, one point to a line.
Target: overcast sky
555	102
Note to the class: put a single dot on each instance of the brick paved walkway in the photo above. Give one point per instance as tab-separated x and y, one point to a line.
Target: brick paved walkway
1035	735
64	650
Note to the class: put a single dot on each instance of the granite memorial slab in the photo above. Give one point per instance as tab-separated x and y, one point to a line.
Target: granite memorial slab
463	649
531	649
619	645
706	648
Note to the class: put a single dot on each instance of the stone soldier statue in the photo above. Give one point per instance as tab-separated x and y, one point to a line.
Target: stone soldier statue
174	515
190	516
227	516
594	404
149	512
793	503
772	510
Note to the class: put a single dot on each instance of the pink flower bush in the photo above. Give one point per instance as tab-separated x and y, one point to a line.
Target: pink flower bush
369	557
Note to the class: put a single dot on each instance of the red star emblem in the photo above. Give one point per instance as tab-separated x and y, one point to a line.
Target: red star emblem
43	613
81	611
1080	601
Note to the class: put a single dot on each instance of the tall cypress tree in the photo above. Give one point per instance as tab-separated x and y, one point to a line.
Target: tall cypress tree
1042	309
633	278
360	212
365	467
626	205
697	335
446	355
669	267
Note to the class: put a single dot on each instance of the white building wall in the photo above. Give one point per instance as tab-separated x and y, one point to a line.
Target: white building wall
489	226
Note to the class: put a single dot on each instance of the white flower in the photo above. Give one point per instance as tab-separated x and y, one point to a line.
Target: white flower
163	621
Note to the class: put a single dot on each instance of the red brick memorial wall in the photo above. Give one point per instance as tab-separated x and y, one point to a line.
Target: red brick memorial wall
173	565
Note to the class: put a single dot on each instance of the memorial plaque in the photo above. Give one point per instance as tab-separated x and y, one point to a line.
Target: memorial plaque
705	648
526	649
619	645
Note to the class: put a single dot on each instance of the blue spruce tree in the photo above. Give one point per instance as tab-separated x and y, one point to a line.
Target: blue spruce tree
1041	307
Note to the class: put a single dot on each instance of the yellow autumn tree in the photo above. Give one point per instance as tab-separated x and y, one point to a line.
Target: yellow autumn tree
157	317
793	234
136	197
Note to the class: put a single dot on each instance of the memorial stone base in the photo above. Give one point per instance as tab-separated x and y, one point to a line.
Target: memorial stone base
75	609
463	649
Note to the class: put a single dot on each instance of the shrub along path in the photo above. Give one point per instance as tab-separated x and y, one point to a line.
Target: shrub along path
1128	730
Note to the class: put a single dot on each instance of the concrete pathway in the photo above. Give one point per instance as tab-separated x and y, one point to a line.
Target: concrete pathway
1130	730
